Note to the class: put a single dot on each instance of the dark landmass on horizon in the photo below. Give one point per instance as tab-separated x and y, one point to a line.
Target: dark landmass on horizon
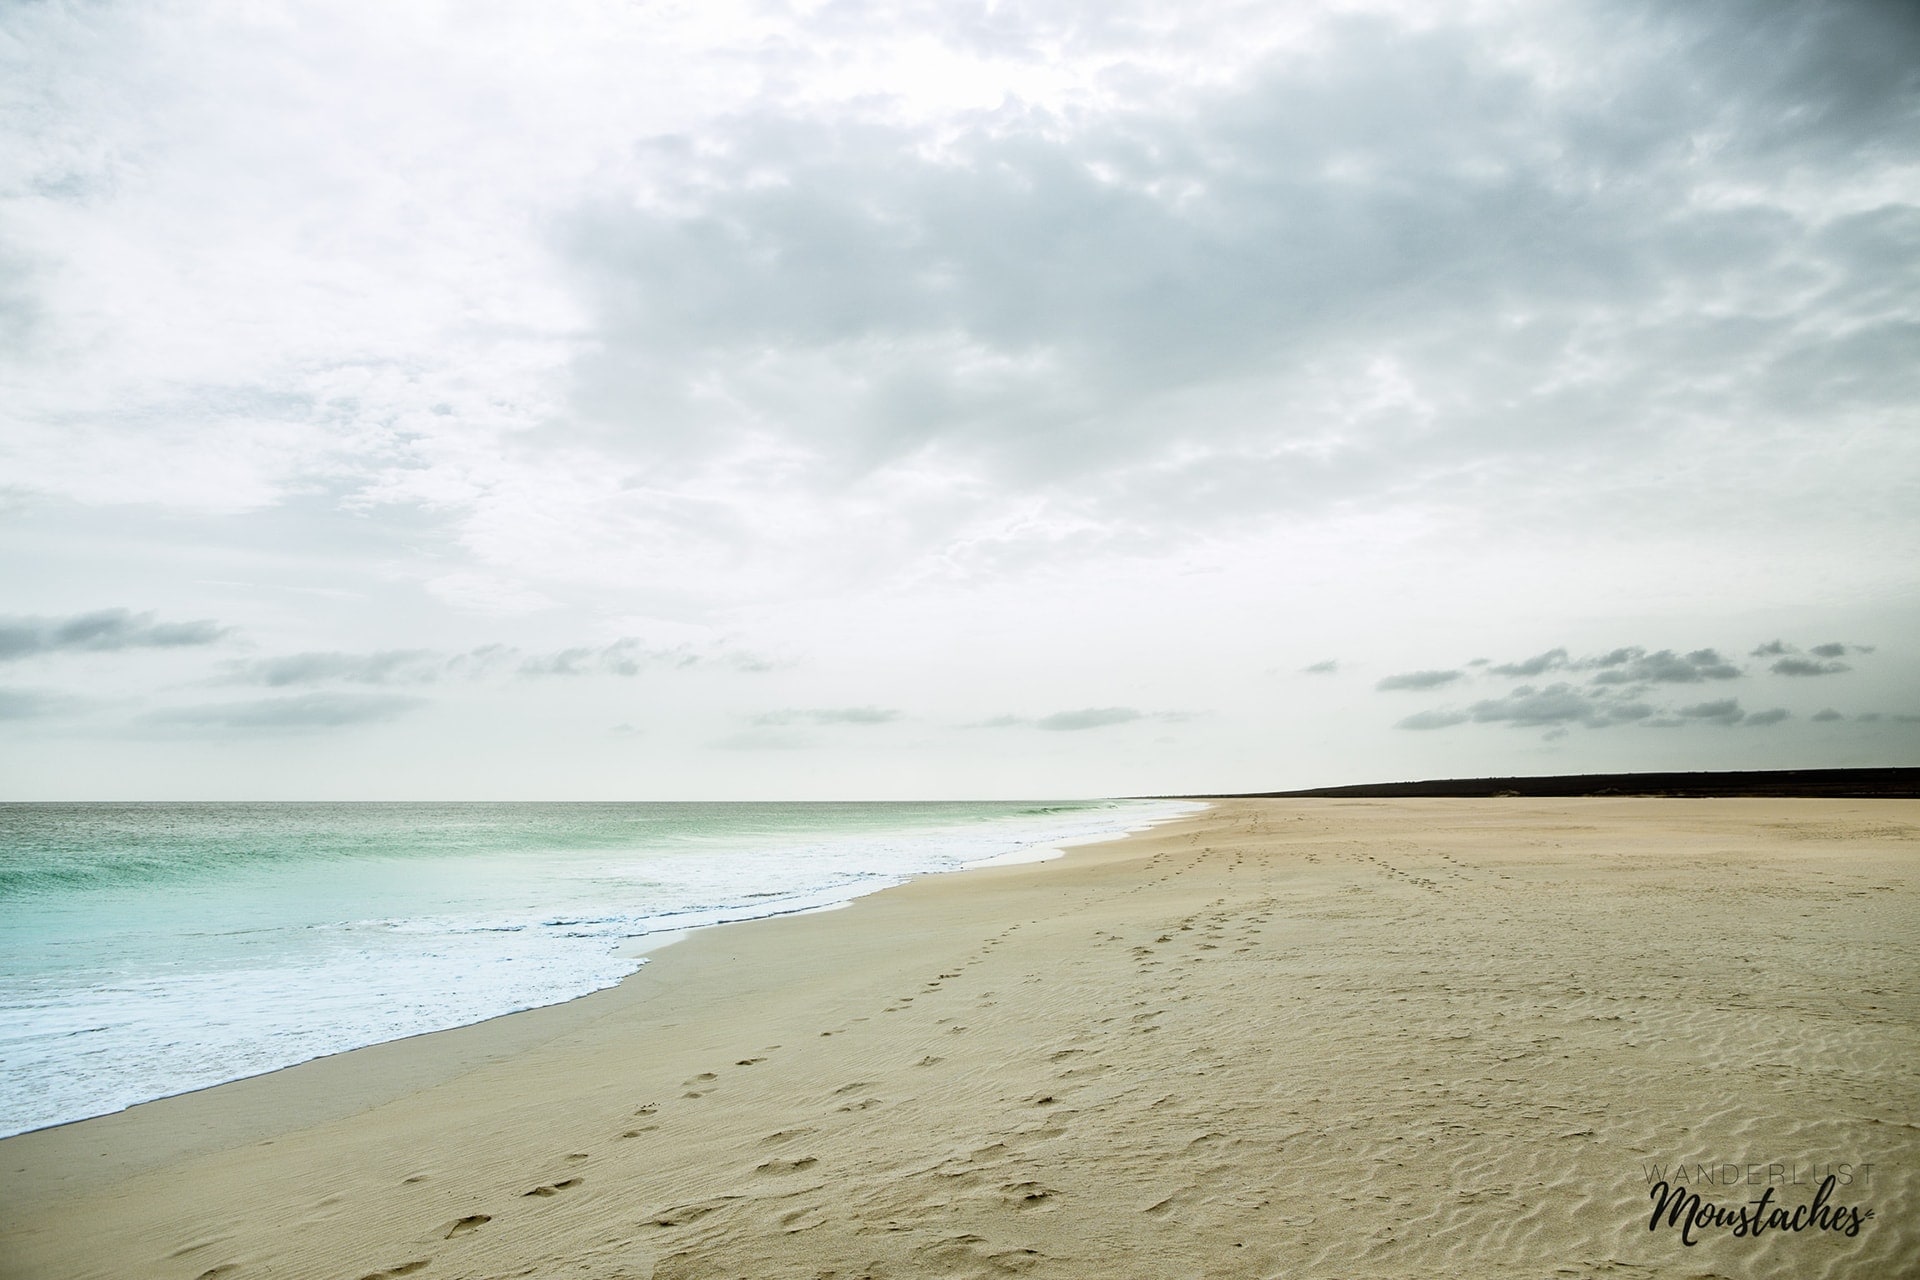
1858	784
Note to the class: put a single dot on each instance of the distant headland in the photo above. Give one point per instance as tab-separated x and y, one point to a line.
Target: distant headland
1881	784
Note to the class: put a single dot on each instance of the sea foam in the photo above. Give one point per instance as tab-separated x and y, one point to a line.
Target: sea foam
147	950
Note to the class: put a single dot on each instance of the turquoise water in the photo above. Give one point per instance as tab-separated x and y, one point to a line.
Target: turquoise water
148	949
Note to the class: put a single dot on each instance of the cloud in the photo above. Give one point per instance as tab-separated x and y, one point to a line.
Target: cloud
1627	665
1825	659
1380	261
1827	714
1433	720
33	704
628	656
1419	680
105	630
1793	666
1528	707
1551	660
1532	707
1636	666
1327	668
829	715
1087	718
1612	695
311	711
1724	711
387	666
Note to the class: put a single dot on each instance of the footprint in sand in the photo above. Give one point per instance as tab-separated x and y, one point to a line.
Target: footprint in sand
802	1220
784	1135
681	1214
460	1227
404	1269
198	1245
553	1188
1029	1195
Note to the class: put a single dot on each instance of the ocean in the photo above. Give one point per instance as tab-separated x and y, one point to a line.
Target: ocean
151	949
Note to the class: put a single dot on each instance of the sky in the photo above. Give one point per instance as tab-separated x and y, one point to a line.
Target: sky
845	400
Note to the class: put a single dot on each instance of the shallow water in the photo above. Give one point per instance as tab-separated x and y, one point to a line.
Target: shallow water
149	949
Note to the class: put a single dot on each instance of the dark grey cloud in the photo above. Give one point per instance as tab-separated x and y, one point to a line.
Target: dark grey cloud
386	666
1433	720
1419	680
1616	691
1826	714
1797	666
1636	666
1559	707
1724	711
1539	664
310	711
1088	718
1558	704
1327	668
104	630
829	715
1821	660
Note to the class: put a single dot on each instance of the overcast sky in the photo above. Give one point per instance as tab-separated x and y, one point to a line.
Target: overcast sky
596	399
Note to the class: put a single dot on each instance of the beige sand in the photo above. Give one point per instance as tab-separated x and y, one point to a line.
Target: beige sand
1286	1038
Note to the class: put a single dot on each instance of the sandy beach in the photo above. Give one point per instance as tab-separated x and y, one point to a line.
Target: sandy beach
1302	1038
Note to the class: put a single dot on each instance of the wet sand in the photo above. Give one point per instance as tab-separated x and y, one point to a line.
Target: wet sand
1302	1038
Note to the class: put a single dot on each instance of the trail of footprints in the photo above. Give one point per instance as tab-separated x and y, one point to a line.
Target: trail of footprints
850	1098
1185	941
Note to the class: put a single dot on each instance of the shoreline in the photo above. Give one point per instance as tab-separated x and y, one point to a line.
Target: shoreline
1137	1032
424	1059
547	943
